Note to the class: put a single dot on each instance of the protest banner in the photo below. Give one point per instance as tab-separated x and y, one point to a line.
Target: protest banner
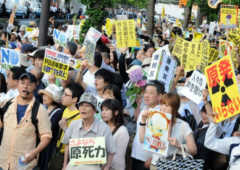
87	151
178	48
213	55
191	56
60	37
156	135
223	89
163	67
56	63
73	32
205	55
194	87
225	48
228	16
197	36
90	41
10	57
109	27
234	36
125	33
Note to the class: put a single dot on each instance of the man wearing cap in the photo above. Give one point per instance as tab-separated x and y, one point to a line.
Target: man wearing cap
88	126
19	134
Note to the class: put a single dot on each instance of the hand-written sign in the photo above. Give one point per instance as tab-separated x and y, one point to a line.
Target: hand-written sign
156	135
56	63
223	89
194	87
229	16
10	57
87	151
163	67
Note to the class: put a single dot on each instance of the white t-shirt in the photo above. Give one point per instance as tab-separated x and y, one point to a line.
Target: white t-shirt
89	79
180	131
121	139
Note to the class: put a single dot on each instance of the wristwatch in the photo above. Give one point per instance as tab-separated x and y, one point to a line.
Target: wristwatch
142	124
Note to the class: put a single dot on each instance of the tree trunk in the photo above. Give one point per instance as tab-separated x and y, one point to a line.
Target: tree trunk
150	16
199	18
187	16
43	28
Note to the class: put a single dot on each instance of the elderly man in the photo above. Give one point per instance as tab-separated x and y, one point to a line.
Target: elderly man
88	126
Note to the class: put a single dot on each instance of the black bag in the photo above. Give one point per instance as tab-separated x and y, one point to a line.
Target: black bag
189	118
34	119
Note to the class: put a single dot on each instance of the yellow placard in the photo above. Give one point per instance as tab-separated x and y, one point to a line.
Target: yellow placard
125	33
229	16
197	36
56	63
223	89
225	48
109	27
87	151
213	55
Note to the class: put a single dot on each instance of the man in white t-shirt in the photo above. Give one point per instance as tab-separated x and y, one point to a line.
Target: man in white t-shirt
141	159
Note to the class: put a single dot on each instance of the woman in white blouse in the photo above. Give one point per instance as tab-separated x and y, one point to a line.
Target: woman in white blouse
113	116
179	133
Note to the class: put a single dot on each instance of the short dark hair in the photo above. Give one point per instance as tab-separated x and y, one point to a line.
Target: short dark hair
105	74
3	84
39	54
76	89
116	91
114	106
17	72
159	86
72	47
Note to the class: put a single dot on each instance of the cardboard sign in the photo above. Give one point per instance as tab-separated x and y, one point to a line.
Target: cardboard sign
163	67
229	17
10	57
223	89
225	48
205	55
194	87
125	33
60	37
87	151
156	135
56	63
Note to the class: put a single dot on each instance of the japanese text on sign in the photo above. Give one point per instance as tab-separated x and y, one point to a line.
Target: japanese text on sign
125	33
229	17
56	63
87	151
223	89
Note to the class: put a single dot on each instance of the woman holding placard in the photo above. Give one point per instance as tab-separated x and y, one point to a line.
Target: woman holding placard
113	116
179	133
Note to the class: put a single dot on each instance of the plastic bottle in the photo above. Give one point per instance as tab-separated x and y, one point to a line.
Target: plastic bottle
21	164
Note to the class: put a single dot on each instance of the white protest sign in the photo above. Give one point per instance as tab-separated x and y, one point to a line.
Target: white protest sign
194	86
10	57
163	67
60	37
73	31
87	151
93	35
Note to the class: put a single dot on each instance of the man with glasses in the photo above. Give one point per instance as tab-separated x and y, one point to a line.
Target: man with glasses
70	97
19	130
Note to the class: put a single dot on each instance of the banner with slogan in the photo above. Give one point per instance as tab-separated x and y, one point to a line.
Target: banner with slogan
213	55
205	55
225	48
125	33
157	129
223	89
109	27
163	67
228	16
10	57
87	151
60	37
234	36
90	41
192	52
194	86
56	63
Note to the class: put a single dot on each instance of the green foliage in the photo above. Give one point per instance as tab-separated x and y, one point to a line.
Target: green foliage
231	2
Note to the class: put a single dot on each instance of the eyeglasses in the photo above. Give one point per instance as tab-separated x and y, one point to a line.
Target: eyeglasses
64	94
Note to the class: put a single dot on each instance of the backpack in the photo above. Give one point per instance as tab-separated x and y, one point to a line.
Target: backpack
34	119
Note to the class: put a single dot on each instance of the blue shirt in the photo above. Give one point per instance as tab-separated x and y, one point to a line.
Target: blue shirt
21	109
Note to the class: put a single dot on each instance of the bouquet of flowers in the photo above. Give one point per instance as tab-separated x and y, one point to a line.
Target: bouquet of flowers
138	80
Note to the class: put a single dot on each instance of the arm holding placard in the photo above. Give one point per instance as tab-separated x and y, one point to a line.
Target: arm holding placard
142	127
79	77
179	74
